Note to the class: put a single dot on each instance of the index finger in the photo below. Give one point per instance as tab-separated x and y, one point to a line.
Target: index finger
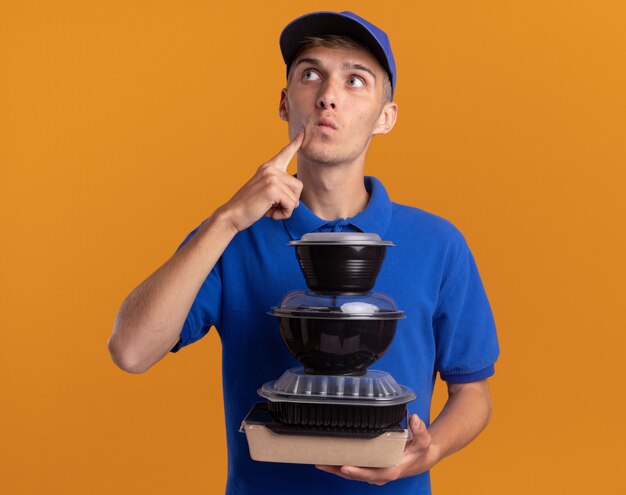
284	156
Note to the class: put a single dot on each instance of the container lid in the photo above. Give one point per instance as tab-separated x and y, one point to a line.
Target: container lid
344	238
375	388
364	306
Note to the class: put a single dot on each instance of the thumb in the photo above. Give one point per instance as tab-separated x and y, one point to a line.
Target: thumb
421	436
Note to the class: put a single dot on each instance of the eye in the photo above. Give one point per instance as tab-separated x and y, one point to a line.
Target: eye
356	82
310	75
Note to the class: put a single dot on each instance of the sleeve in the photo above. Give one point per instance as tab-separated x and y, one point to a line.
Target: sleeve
465	332
206	310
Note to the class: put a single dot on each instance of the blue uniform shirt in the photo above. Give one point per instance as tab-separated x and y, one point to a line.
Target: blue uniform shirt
431	275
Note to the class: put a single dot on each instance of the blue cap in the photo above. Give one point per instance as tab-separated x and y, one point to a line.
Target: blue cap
341	24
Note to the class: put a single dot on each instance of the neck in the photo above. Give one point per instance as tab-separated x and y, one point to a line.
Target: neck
333	191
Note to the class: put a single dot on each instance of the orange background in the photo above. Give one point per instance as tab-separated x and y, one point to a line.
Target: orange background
123	124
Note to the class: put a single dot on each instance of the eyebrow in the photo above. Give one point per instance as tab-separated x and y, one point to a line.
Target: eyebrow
346	66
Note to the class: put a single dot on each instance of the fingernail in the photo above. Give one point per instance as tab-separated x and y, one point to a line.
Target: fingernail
345	470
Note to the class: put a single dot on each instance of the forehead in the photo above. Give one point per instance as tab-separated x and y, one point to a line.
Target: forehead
341	57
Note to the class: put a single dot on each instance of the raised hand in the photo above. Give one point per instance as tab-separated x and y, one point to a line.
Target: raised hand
271	191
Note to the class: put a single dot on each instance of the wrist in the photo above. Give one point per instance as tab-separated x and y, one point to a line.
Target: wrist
434	455
223	218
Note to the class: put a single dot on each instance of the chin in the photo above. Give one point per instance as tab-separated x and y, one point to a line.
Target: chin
320	155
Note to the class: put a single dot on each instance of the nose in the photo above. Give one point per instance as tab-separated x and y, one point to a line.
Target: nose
328	97
324	103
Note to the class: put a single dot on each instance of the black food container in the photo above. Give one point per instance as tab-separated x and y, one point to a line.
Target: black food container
373	401
346	262
333	334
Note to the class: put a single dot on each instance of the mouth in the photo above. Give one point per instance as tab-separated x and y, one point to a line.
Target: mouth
326	124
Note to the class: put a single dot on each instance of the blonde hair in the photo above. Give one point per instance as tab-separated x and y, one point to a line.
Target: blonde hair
335	41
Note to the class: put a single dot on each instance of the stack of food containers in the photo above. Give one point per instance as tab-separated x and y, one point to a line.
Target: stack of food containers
333	410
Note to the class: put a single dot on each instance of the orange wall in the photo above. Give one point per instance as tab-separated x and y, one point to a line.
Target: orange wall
123	124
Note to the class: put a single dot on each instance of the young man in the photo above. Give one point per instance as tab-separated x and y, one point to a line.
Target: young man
236	264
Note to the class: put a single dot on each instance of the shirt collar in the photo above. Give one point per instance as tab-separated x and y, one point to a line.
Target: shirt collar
375	218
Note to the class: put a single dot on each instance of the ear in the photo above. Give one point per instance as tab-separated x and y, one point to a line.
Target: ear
283	108
387	118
